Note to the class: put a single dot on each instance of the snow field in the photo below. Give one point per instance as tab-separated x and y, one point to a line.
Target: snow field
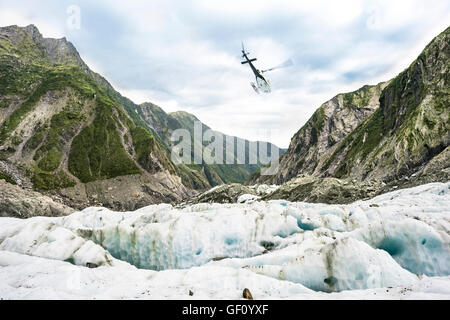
278	248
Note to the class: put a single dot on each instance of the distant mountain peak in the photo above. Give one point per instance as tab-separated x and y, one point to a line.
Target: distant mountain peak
30	45
183	114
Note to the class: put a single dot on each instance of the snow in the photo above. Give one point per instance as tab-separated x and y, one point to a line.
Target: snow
247	198
263	189
28	277
394	246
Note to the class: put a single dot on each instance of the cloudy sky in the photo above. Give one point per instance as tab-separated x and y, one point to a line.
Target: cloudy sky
185	55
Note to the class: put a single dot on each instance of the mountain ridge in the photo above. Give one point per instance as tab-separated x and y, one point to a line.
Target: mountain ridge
214	174
389	132
65	126
66	131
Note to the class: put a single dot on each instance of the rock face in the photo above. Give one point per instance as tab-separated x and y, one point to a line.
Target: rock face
124	193
14	175
320	136
389	132
19	203
56	51
64	127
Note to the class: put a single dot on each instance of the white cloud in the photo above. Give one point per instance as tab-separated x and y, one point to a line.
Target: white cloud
186	55
15	17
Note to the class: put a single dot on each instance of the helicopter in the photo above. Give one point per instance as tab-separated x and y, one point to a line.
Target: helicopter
262	85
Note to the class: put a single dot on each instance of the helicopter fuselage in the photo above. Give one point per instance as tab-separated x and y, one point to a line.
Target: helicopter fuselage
261	81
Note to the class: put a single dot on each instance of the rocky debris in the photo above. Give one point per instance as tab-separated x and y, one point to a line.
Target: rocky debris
219	258
125	193
15	174
227	193
246	294
305	188
436	170
232	193
326	190
91	265
342	191
19	203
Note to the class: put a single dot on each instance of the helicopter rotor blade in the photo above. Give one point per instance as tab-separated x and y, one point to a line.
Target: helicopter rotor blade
243	50
268	70
285	64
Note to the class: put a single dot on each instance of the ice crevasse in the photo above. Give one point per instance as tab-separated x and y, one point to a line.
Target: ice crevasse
386	241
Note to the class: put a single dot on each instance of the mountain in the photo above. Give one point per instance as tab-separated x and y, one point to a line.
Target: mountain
67	132
63	127
201	176
396	132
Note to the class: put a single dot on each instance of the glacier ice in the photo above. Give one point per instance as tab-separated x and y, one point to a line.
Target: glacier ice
341	265
160	237
44	238
30	277
247	198
262	189
390	240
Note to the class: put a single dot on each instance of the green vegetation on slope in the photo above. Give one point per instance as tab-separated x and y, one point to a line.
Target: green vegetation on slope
410	118
97	152
44	180
359	98
27	74
317	122
50	153
7	178
52	78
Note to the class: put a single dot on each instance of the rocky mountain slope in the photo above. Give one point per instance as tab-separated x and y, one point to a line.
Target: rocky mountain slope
396	132
205	175
65	128
19	203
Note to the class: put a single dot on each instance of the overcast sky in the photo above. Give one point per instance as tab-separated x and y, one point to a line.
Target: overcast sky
185	55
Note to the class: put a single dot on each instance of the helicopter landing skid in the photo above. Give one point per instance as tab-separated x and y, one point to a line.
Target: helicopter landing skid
254	87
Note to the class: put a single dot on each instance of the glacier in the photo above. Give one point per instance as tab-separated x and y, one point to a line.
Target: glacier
277	249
